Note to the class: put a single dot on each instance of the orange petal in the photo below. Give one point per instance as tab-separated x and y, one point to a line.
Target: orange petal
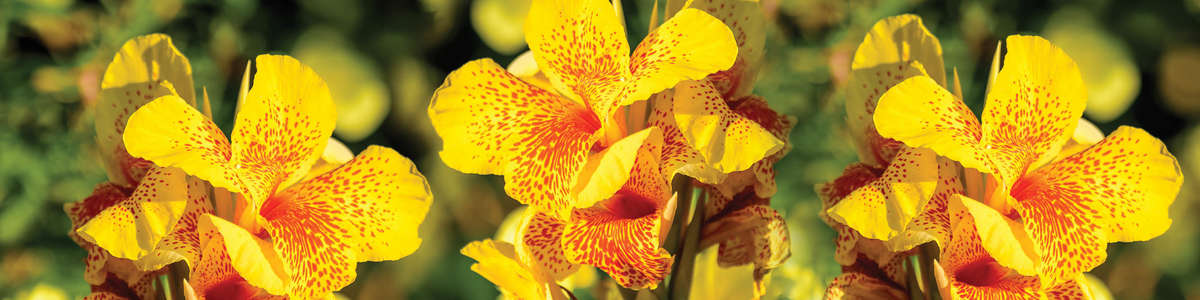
974	274
689	46
581	46
493	123
282	126
1117	190
746	21
171	133
252	257
540	247
145	68
1033	107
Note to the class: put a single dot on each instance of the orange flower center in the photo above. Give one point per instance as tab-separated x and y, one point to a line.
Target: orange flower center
628	205
982	272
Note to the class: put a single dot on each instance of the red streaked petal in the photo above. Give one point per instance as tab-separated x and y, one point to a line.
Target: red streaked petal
493	123
922	114
678	156
581	46
540	247
746	21
690	45
172	133
854	285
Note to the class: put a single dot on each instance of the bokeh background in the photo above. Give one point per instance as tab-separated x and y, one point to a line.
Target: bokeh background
383	59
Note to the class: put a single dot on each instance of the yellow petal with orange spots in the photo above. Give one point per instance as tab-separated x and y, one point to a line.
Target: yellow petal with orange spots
748	24
621	235
727	140
171	133
885	208
921	113
146	67
1004	240
678	156
969	267
1086	134
182	243
253	258
1117	190
688	46
1033	107
895	49
214	276
608	170
539	246
134	227
366	210
766	243
858	285
105	195
760	175
282	126
493	123
497	262
581	47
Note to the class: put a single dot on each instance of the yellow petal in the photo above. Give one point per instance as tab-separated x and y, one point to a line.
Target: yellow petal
921	113
748	24
493	123
885	208
678	156
1086	134
183	242
253	258
281	127
581	46
1033	107
366	210
133	227
857	285
689	46
727	140
539	246
525	67
145	68
608	170
171	133
498	263
711	281
1006	241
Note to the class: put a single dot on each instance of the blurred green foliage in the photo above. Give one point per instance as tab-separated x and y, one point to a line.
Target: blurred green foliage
384	58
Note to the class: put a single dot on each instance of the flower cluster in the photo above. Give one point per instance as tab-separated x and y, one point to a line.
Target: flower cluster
279	210
592	136
1018	204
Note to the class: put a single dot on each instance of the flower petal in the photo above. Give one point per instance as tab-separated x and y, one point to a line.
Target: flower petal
171	133
885	208
133	227
973	273
766	244
922	114
540	247
1004	240
254	259
493	123
678	156
1033	107
366	210
728	141
895	49
688	46
1116	190
581	47
746	21
760	175
145	68
498	263
214	276
282	126
855	285
607	171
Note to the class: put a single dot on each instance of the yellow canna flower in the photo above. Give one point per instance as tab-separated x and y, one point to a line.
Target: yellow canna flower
312	232
144	217
533	267
1064	212
492	122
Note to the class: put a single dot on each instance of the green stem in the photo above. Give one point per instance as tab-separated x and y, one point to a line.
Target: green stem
682	185
681	276
176	273
928	275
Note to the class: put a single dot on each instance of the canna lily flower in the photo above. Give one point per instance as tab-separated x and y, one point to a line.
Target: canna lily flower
746	230
1061	213
311	232
541	140
143	218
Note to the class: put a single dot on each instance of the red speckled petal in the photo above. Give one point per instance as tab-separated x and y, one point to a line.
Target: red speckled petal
145	68
366	210
678	156
727	140
855	285
922	114
171	133
104	196
689	46
133	227
493	123
621	235
746	21
760	175
183	242
282	126
214	277
973	274
1033	107
540	247
581	47
1117	190
886	207
766	245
